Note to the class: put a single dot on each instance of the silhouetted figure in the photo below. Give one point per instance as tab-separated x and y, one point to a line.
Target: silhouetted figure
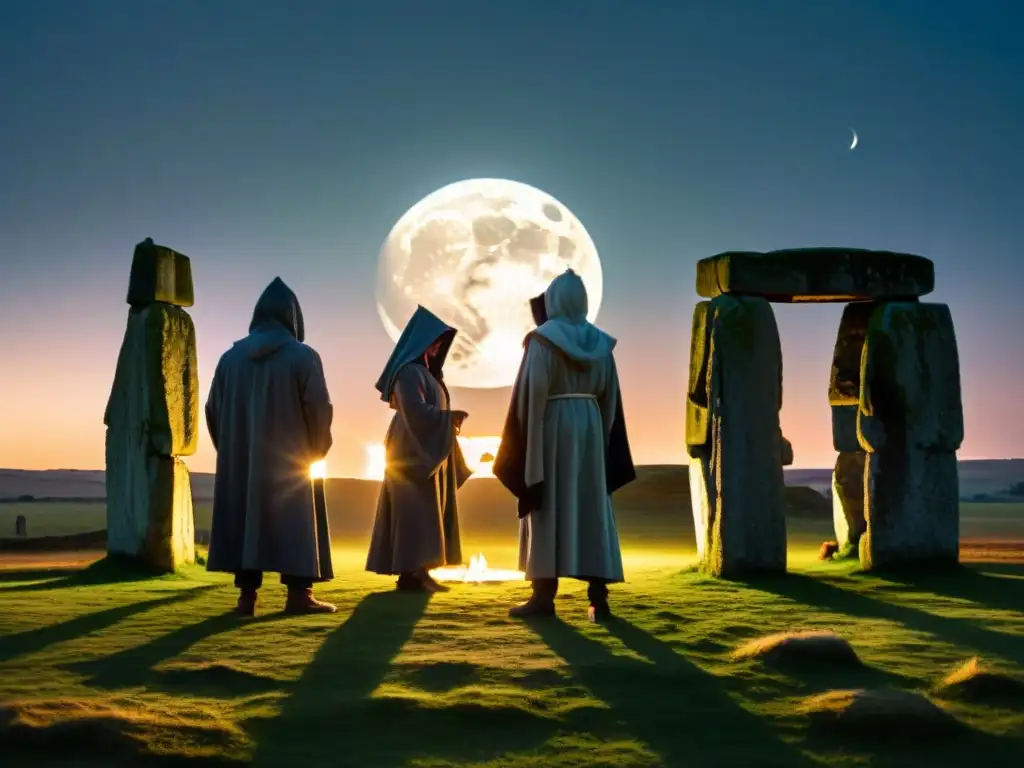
20	526
269	415
416	527
564	450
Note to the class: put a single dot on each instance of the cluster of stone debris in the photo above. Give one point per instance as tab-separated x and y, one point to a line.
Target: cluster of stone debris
897	415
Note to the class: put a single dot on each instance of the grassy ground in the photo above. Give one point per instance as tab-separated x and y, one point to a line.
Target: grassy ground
107	667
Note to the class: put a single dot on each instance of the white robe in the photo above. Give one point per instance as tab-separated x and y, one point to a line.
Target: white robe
573	534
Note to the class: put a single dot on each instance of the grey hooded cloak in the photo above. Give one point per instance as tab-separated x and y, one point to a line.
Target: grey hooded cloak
567	397
269	415
417	522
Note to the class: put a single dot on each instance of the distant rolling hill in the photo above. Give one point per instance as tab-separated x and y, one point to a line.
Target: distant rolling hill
992	478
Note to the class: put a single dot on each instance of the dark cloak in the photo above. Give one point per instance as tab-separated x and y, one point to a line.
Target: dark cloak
510	463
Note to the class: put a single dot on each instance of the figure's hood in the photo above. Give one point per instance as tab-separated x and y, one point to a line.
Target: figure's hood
422	330
276	321
538	310
565	302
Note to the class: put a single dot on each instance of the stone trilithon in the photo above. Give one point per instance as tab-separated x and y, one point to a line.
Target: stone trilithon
897	417
152	416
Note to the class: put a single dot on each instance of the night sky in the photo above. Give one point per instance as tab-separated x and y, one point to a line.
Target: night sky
287	138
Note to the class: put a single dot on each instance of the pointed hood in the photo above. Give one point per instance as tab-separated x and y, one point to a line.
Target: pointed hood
422	330
565	302
276	321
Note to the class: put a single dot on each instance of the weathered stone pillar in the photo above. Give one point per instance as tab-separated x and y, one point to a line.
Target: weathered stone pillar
844	398
734	438
152	416
910	423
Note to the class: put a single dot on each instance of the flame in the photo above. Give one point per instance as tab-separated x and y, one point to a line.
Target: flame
478	451
318	470
476	572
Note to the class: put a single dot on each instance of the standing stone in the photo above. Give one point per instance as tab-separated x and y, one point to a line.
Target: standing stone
734	438
844	398
910	423
152	416
20	526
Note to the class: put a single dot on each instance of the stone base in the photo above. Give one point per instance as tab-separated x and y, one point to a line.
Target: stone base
848	501
149	508
912	509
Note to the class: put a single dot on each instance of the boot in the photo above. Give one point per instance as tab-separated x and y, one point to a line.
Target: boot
432	584
541	602
246	603
408	582
597	593
302	601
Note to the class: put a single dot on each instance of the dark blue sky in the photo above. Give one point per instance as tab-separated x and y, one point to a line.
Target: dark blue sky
266	138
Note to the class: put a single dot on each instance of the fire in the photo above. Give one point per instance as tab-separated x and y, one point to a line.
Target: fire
478	451
476	572
318	470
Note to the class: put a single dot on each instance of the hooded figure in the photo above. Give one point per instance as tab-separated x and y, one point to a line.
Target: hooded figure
417	524
269	416
564	451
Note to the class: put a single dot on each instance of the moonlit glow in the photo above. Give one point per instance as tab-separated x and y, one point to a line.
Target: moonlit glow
478	451
853	144
318	470
474	253
477	572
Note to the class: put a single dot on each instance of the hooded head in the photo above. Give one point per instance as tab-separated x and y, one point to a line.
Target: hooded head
276	320
565	302
422	330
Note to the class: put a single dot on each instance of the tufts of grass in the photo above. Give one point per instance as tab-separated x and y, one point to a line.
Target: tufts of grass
120	730
885	714
818	647
974	682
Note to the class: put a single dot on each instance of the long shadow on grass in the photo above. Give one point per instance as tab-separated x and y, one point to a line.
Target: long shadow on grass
679	710
135	666
820	593
321	722
33	640
112	569
999	586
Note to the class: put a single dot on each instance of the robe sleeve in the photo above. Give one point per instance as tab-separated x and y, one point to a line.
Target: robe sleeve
530	406
317	407
431	427
213	405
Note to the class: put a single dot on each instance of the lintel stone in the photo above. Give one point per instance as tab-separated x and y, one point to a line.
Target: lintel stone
819	275
160	274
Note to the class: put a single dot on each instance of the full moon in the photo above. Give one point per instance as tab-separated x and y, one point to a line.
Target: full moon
474	253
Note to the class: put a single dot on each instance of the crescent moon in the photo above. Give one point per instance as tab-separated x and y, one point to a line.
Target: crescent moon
854	144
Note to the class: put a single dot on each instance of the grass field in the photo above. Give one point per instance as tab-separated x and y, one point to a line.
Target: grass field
105	667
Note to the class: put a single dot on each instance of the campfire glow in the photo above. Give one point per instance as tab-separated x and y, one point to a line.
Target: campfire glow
477	572
478	451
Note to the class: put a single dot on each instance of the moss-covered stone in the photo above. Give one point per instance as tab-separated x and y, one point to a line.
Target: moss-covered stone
152	418
848	500
173	380
739	502
910	373
816	275
170	534
844	381
910	421
160	274
912	510
844	428
698	389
